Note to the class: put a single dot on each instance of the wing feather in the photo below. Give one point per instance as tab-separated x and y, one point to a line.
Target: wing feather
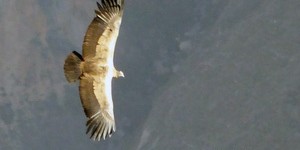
88	98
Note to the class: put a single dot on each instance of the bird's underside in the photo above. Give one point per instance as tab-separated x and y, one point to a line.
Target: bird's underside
95	68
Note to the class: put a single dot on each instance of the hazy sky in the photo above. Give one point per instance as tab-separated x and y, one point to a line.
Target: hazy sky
200	74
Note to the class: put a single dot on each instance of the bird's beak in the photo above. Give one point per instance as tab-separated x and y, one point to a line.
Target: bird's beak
121	74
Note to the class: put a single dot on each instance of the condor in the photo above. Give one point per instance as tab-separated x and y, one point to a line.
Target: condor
95	68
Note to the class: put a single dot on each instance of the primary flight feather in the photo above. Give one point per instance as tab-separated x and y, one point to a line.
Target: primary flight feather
95	68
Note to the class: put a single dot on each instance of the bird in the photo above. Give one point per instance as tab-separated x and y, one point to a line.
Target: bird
94	69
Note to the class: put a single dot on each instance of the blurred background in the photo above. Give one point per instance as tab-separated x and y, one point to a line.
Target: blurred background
199	75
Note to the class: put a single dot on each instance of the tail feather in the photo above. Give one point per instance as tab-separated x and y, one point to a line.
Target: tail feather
72	66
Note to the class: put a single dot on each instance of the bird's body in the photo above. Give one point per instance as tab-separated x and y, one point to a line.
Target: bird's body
95	68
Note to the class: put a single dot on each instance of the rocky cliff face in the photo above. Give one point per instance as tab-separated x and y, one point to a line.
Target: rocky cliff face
238	88
199	75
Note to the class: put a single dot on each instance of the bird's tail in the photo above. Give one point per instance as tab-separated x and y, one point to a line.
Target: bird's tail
72	66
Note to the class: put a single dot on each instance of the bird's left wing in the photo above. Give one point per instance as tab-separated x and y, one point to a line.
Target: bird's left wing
98	106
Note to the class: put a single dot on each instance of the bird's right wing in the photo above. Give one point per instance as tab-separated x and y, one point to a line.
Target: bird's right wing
103	31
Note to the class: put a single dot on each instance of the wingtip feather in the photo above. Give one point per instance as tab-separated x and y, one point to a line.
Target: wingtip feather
100	126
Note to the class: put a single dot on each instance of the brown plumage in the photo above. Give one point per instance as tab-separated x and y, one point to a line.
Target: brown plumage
95	68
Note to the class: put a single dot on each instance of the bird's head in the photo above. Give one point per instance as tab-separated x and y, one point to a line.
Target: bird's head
120	74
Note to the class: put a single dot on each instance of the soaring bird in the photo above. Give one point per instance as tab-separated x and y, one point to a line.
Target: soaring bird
95	68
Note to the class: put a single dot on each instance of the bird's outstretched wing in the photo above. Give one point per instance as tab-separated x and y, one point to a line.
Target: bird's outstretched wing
102	33
98	106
